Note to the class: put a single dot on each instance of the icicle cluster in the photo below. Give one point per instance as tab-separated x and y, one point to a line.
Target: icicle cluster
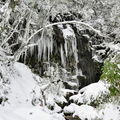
69	49
45	48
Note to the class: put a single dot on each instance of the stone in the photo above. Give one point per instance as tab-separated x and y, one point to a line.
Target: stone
75	118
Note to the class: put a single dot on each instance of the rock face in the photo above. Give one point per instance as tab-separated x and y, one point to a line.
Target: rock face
72	49
90	68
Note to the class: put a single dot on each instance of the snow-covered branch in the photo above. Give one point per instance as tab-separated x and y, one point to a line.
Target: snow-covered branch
36	15
76	22
11	33
26	45
65	22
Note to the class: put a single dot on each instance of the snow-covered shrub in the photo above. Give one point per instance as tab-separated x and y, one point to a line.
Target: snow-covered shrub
5	72
93	94
86	112
50	86
83	112
3	95
52	81
51	104
70	109
110	111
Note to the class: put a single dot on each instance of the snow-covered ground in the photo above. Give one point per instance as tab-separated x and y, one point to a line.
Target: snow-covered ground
19	105
23	88
108	111
94	103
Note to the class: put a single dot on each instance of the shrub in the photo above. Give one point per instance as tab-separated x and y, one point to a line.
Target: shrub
111	73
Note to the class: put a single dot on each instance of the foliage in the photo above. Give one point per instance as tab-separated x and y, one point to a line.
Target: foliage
100	100
111	75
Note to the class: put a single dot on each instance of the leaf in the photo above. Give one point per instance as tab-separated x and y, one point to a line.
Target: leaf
111	74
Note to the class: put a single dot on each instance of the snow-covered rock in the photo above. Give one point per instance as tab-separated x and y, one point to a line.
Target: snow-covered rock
93	92
87	112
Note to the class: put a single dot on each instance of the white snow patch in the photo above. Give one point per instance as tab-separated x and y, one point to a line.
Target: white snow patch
23	88
60	99
91	92
71	108
58	116
72	83
50	100
110	111
68	32
85	111
26	113
57	108
22	85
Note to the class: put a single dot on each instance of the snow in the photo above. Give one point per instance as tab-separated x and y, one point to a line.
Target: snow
114	49
110	112
85	111
60	99
71	108
22	84
45	45
72	84
107	111
91	92
57	108
23	88
50	101
19	106
68	32
62	57
58	116
32	113
25	113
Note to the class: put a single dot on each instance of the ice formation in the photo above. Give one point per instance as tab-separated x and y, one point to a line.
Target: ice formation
67	50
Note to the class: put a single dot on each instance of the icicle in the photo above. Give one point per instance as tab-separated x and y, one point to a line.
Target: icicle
32	48
44	49
75	55
25	56
62	56
39	51
51	46
66	49
48	47
22	55
73	45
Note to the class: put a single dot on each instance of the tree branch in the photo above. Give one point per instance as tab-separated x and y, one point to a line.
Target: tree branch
65	22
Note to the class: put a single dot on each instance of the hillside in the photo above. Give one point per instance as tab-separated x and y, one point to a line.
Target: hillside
59	60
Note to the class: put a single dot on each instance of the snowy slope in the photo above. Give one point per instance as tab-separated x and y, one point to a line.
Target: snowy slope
101	109
18	106
23	88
